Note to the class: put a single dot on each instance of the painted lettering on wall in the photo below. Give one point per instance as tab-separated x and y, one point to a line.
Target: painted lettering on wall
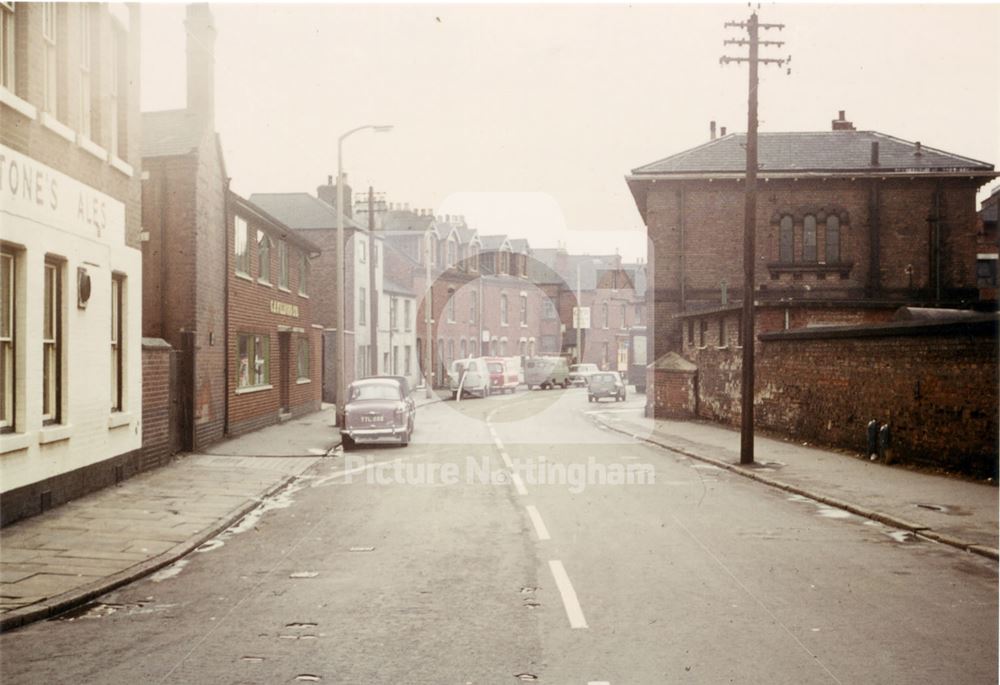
285	309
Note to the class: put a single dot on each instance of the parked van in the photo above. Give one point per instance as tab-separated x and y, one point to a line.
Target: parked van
546	372
472	375
503	376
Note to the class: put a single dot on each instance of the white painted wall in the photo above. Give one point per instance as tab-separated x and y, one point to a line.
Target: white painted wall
92	238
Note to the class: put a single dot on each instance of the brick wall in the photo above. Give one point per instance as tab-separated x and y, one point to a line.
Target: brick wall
157	397
935	384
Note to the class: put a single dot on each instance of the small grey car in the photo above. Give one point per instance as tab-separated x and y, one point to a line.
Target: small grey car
605	384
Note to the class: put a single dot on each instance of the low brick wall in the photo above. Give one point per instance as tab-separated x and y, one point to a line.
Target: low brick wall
157	398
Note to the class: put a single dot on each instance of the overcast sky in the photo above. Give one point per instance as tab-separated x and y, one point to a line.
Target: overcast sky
526	118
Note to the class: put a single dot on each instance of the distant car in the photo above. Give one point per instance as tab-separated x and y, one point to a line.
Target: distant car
579	374
606	384
470	375
502	377
546	372
376	411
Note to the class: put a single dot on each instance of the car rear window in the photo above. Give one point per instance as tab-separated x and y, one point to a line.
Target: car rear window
371	391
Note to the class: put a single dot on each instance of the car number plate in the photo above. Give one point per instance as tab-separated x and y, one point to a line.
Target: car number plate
371	419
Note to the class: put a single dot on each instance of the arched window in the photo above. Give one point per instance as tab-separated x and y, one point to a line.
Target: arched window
809	238
463	349
452	255
524	310
832	239
474	257
503	310
451	350
786	240
451	305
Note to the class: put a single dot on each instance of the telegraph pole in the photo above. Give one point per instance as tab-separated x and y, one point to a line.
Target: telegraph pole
752	27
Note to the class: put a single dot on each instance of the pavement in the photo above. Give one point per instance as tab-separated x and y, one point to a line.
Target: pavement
941	507
71	555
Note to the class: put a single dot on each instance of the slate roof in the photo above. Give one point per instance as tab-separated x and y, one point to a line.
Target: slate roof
301	211
832	151
405	221
492	242
390	286
170	133
519	245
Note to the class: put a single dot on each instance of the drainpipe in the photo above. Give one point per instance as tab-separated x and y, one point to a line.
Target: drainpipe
225	309
373	328
680	224
874	277
935	243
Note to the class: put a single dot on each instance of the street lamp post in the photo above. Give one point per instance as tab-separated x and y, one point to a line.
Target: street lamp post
341	395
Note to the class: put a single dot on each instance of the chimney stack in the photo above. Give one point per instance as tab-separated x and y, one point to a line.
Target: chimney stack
722	132
920	150
711	128
841	123
328	194
874	153
199	26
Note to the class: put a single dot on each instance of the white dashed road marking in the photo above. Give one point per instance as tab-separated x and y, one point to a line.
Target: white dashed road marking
518	483
573	611
536	519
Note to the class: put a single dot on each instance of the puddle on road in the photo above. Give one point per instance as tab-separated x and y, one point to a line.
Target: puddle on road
303	574
168	572
826	511
94	610
308	677
252	659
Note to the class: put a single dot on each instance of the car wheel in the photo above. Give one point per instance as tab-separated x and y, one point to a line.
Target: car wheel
346	443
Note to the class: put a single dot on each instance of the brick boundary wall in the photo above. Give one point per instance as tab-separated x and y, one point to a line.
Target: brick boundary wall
936	384
158	388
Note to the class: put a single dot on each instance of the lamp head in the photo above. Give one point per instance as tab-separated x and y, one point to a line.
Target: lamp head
382	129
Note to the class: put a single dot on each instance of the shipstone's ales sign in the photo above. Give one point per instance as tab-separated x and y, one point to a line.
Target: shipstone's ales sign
285	309
32	190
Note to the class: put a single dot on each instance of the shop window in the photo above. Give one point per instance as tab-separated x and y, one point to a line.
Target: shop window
254	360
52	324
241	246
832	239
8	364
809	239
302	359
263	258
283	265
786	240
117	340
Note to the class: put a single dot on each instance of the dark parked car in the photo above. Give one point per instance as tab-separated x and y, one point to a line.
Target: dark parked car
404	386
606	384
377	411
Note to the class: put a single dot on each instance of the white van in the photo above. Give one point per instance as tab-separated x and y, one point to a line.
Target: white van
472	375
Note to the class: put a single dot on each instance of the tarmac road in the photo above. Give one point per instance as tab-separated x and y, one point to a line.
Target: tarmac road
418	565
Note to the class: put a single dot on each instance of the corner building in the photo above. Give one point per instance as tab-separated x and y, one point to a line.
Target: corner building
70	267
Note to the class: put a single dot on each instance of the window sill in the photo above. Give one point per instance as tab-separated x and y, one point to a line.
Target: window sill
810	267
90	146
17	104
264	283
253	389
120	418
121	165
12	442
284	289
57	127
54	433
245	277
304	296
303	381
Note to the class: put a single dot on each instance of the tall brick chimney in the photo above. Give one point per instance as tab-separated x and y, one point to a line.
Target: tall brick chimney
199	26
841	123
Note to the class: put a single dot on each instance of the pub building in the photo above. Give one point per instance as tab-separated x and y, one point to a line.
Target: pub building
273	347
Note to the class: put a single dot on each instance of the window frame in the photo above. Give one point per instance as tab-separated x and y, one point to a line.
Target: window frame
52	347
303	274
786	239
264	243
252	347
117	342
810	252
302	359
450	307
503	309
241	235
832	221
50	65
283	264
362	318
8	340
8	47
524	309
86	62
624	310
406	315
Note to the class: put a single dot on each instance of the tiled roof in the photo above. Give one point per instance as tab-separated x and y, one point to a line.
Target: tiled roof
812	151
301	210
170	132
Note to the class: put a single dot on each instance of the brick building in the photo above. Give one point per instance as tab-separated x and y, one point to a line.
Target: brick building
853	227
274	348
184	215
70	267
